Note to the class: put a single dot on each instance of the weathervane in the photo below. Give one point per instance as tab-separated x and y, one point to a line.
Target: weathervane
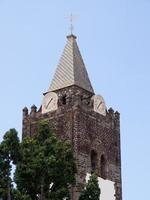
72	18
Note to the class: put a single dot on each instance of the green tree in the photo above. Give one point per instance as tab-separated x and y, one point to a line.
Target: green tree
92	190
46	168
9	154
16	195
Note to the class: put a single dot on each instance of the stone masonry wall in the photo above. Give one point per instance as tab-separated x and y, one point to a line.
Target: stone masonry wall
87	130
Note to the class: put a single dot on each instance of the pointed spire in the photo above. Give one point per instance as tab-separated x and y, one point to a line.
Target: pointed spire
71	69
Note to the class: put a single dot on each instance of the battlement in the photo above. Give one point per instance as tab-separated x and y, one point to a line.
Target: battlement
32	116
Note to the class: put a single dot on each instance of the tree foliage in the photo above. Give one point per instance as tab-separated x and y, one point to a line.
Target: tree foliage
17	195
92	190
9	153
47	167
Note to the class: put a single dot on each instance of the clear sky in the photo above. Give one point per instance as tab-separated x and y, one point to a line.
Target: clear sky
114	39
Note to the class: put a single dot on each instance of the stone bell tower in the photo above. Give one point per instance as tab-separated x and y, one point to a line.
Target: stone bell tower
75	113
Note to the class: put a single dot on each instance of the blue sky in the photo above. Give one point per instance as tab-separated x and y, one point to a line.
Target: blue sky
114	39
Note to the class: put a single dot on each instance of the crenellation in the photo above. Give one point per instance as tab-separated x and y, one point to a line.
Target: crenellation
25	112
33	111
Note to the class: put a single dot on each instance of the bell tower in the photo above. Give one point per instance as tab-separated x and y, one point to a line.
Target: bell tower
76	113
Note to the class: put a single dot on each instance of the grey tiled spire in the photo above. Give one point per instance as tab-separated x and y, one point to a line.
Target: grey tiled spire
71	69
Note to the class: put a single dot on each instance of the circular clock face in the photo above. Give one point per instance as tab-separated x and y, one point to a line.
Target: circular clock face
99	105
50	101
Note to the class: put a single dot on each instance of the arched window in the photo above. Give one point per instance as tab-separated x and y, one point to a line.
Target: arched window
93	161
103	167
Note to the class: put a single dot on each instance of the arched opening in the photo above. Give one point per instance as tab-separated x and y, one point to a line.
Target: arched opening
103	167
93	161
64	99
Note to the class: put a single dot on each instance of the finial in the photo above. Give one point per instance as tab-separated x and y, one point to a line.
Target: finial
110	110
33	108
25	111
72	18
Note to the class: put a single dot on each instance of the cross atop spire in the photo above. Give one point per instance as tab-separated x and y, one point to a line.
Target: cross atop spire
71	69
71	23
72	18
